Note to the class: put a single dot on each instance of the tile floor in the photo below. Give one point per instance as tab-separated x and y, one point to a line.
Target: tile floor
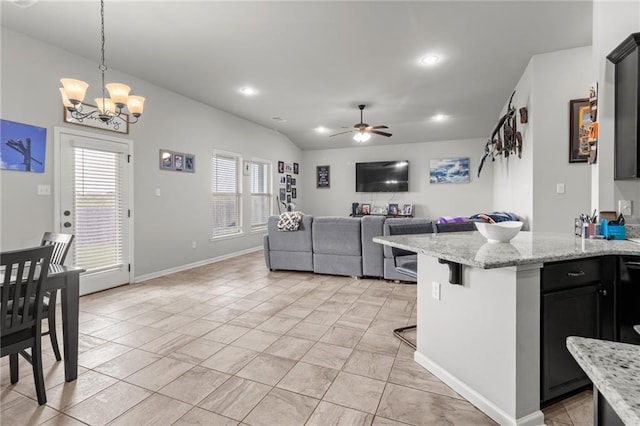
233	343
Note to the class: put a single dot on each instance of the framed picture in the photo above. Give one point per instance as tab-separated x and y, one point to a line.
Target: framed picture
166	160
293	181
288	198
23	147
449	170
280	166
283	194
178	162
283	180
116	125
288	168
296	168
407	209
322	176
579	122
365	209
393	210
189	163
294	193
288	183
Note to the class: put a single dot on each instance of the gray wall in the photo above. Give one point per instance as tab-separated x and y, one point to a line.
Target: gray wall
164	226
429	200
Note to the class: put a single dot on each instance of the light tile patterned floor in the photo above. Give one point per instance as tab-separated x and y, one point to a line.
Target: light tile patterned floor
233	343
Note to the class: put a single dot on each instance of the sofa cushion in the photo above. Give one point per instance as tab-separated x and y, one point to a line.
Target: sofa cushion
299	240
337	236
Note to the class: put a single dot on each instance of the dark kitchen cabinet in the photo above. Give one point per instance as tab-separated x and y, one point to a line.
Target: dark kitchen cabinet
576	300
627	105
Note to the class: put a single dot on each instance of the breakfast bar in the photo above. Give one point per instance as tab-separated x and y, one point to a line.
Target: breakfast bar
482	336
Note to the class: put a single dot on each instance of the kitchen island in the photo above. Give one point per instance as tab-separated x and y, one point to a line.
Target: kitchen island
482	336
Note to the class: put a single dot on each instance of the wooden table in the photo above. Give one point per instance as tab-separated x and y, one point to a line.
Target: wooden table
67	279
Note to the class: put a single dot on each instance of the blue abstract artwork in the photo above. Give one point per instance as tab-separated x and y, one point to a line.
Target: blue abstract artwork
449	170
22	147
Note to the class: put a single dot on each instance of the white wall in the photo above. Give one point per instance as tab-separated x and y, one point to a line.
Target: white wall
613	21
165	226
528	185
429	200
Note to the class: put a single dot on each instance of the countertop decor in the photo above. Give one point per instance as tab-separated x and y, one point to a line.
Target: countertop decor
614	368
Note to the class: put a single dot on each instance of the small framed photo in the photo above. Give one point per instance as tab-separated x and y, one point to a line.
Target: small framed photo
293	181
178	161
407	209
189	163
288	183
294	193
579	122
166	160
393	210
322	176
288	168
280	166
296	168
283	180
366	209
288	198
283	194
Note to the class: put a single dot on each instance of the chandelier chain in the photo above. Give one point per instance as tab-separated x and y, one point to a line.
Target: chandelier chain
103	67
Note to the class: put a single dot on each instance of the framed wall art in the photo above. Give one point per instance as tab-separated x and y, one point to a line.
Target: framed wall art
296	168
280	166
322	176
166	160
177	161
288	168
579	122
407	209
449	170
294	193
23	147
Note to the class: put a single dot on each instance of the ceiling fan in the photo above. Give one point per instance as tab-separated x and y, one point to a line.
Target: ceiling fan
363	130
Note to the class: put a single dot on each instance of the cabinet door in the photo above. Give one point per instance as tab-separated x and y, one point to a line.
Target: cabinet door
573	312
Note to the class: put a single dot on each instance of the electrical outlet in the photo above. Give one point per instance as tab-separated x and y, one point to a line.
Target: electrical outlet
435	290
625	207
194	244
44	189
157	192
560	188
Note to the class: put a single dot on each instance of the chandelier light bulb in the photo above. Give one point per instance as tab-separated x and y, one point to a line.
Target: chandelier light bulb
75	90
361	137
118	93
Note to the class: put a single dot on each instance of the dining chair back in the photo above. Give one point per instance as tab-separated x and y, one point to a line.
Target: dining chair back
21	295
61	244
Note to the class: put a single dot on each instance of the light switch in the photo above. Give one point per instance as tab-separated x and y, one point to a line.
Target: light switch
157	192
625	207
44	189
560	188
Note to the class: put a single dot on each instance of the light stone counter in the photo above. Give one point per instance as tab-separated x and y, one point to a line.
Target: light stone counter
470	248
614	368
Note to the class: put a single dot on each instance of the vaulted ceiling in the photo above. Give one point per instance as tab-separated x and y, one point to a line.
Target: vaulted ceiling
313	62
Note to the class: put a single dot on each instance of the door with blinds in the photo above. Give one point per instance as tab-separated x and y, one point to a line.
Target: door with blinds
94	188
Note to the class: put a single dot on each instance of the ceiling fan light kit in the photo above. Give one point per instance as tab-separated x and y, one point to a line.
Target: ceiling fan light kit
110	108
363	130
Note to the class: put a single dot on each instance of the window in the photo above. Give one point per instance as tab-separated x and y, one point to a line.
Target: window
260	194
226	194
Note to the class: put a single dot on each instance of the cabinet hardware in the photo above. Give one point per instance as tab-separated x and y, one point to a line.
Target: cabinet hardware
576	274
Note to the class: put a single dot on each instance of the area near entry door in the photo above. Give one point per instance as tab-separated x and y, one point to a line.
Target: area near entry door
93	188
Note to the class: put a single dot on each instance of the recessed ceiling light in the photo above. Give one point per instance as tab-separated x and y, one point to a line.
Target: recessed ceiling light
439	117
248	91
321	129
429	60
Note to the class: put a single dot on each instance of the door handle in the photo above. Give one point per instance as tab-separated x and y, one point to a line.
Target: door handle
67	224
576	274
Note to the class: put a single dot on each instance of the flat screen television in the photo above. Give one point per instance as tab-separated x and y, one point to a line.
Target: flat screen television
382	176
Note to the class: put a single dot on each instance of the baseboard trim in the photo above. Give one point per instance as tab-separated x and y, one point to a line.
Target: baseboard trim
173	270
483	404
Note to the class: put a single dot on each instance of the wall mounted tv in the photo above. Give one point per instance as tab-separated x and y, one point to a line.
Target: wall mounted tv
382	176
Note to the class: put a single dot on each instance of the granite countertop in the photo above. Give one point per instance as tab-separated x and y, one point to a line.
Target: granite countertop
614	368
472	249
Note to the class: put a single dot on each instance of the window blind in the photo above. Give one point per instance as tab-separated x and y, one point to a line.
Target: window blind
226	194
260	194
97	209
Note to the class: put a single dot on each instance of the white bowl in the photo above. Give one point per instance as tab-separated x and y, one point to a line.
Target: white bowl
499	232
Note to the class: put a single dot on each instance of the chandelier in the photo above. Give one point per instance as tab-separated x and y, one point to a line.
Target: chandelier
109	108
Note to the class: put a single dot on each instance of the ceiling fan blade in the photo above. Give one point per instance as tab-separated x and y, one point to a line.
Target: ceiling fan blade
378	132
341	133
379	127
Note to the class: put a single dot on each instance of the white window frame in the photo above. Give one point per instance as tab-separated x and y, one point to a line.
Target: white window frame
238	230
269	194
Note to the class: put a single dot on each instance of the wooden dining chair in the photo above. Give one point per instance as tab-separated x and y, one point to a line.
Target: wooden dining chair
21	298
61	244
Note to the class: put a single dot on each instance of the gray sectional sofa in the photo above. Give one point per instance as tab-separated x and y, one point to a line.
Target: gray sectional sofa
338	246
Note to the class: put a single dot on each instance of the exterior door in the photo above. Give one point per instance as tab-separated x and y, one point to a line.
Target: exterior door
93	187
